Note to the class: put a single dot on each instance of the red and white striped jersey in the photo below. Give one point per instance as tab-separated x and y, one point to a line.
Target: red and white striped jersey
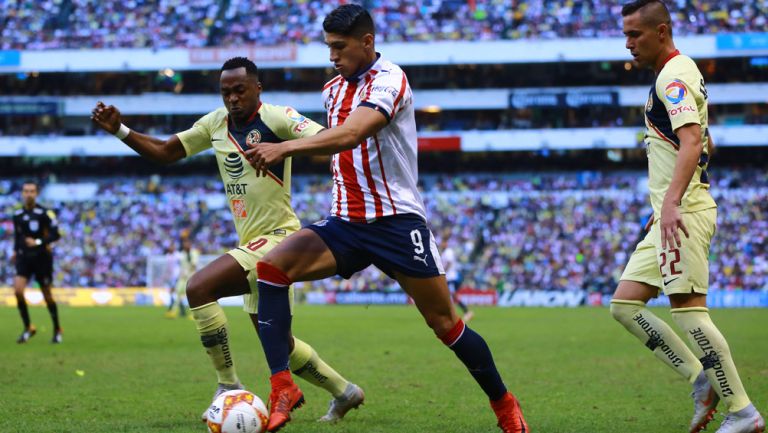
378	177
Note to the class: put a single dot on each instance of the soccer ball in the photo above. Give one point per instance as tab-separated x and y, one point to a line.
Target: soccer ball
237	411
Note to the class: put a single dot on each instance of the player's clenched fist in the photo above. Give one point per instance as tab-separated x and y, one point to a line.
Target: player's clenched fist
263	155
107	117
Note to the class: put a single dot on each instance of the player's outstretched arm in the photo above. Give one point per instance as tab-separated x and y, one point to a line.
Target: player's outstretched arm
362	123
152	148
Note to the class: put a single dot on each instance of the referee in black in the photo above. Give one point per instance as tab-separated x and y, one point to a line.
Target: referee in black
35	229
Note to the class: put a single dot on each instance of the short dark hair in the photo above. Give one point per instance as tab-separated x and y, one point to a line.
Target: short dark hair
31	182
657	12
349	20
241	62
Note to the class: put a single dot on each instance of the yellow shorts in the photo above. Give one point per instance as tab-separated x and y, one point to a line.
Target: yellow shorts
247	255
675	270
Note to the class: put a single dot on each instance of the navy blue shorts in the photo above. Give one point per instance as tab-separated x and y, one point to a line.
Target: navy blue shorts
401	243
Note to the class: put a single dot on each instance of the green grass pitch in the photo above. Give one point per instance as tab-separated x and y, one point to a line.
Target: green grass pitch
575	370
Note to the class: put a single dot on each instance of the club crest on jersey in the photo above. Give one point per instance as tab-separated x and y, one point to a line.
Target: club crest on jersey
233	165
34	225
675	91
253	138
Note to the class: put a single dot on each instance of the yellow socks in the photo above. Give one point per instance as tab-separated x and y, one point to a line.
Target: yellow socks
657	336
306	363
212	326
715	354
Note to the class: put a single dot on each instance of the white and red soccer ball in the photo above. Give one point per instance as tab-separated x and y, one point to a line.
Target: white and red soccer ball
237	411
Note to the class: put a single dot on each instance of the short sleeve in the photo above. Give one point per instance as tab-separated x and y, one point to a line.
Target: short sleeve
197	138
296	125
387	94
679	101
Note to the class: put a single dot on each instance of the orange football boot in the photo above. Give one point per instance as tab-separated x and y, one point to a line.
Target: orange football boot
284	398
509	414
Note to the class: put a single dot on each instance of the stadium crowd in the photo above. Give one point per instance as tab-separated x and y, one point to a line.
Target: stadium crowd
554	231
50	24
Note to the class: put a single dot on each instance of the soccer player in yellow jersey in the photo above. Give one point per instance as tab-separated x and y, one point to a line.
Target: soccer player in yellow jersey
261	207
673	256
187	260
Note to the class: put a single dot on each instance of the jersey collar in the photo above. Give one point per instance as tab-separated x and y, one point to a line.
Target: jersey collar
672	55
357	75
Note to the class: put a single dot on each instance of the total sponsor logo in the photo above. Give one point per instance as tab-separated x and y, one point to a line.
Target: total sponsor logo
294	116
675	91
681	110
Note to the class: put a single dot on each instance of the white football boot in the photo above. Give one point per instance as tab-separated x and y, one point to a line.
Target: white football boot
353	397
705	401
220	389
747	420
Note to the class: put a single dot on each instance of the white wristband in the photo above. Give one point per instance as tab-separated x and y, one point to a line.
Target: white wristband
122	132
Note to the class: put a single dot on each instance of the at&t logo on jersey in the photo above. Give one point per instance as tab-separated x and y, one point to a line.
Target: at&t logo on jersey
233	165
675	91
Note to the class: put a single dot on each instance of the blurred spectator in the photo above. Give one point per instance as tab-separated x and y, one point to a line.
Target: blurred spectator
45	24
534	231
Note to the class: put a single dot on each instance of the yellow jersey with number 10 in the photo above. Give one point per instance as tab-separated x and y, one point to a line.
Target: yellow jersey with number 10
259	205
678	97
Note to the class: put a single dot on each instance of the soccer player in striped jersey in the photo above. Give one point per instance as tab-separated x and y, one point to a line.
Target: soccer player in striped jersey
261	208
678	145
377	216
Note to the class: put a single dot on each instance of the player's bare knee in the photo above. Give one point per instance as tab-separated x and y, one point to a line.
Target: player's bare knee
440	323
616	312
198	292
